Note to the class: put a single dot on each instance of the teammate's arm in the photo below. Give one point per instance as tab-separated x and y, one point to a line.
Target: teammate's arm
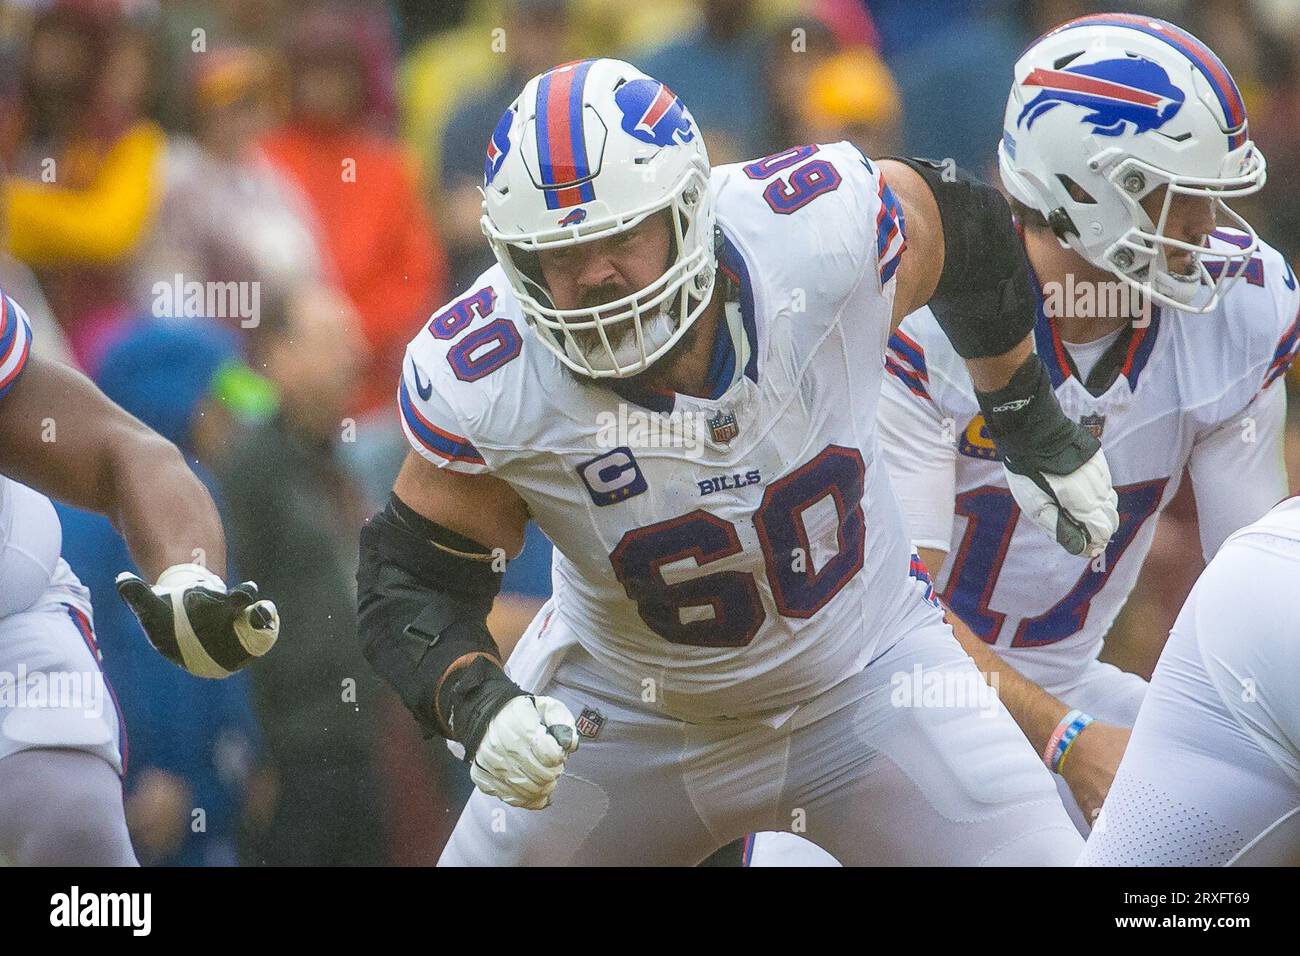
64	438
1238	470
920	272
1035	710
919	452
1096	752
429	572
965	261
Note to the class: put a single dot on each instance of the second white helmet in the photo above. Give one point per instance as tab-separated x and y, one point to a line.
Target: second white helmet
1106	109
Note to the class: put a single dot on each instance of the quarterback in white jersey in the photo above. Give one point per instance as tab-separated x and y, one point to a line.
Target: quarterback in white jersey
1201	393
1175	363
61	735
1211	776
736	599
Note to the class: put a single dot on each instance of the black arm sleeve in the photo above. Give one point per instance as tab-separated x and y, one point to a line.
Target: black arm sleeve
984	301
423	597
1030	429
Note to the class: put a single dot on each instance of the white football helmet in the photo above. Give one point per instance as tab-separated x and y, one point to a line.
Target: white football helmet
1105	109
588	150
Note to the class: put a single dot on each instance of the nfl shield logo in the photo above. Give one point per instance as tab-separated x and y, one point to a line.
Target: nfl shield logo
1094	424
590	722
724	427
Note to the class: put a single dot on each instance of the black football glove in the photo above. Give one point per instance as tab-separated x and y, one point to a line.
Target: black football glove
195	622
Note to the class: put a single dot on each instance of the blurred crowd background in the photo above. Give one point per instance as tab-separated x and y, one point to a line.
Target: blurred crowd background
321	160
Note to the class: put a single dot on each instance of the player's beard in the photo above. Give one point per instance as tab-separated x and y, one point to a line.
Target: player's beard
656	329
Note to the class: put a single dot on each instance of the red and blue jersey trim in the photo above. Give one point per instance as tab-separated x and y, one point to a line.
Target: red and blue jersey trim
1051	348
561	137
1284	354
905	360
917	569
1140	348
1051	351
1047	342
15	343
733	265
891	238
441	442
87	632
1202	57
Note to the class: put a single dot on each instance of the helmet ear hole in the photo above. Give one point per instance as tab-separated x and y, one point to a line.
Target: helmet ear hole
1077	192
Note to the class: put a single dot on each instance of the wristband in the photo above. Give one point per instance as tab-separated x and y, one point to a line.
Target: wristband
182	576
1031	431
1062	739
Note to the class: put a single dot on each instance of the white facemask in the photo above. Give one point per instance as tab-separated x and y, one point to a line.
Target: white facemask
655	331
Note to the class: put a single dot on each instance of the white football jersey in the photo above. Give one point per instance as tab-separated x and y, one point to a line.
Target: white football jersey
30	536
1211	774
739	553
1188	391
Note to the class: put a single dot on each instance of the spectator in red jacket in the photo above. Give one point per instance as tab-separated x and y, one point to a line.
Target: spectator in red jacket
374	228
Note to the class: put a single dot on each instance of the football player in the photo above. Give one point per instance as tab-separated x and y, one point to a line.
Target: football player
735	593
61	746
1166	326
1211	776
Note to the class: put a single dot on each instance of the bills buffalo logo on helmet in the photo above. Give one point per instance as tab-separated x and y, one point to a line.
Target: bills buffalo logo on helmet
653	114
498	146
574	217
1118	94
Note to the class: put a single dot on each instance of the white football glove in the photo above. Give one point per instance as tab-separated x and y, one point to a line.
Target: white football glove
196	623
1082	503
522	755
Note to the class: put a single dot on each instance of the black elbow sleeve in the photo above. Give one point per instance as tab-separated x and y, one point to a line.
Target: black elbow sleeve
984	301
423	597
